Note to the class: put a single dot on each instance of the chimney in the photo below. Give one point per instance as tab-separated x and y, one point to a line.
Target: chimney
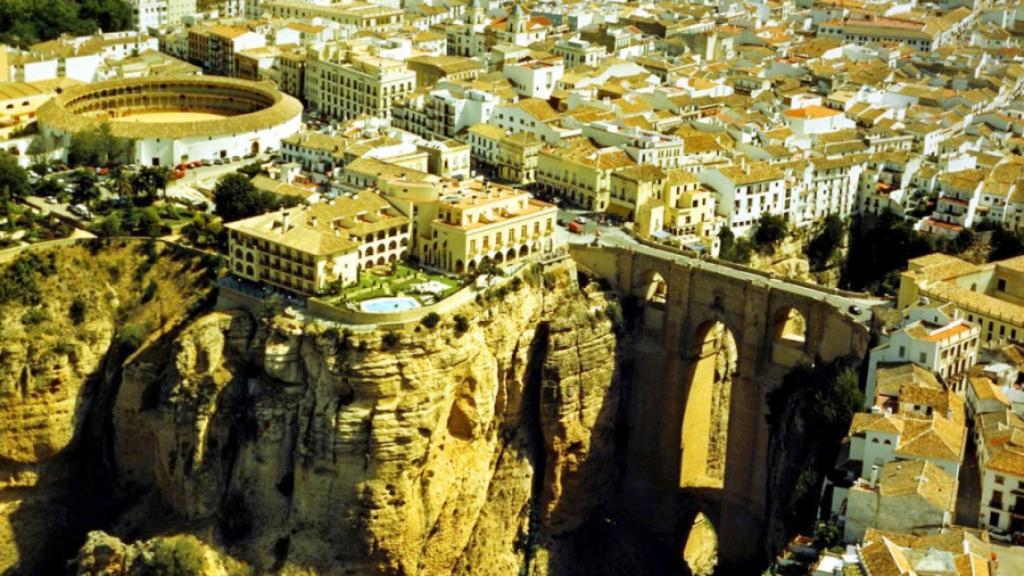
312	221
874	476
284	222
949	414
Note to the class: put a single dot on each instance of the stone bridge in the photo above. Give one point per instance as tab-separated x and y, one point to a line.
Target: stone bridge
715	341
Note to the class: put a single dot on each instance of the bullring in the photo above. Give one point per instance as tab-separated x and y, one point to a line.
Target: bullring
177	120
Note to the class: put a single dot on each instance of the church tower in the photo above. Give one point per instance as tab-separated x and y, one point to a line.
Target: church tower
517	22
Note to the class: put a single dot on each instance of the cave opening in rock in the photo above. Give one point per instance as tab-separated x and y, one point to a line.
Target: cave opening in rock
705	424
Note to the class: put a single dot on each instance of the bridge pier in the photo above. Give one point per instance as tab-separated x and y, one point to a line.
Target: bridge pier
669	348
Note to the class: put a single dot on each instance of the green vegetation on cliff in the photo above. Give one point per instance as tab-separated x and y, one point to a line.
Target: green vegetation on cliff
808	416
23	22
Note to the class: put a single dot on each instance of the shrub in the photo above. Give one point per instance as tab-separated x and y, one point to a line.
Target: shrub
18	281
391	339
130	337
461	324
34	315
150	291
614	313
178	556
77	311
430	320
517	283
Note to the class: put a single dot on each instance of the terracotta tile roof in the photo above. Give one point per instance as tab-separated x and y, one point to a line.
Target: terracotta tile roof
811	112
904	478
938	438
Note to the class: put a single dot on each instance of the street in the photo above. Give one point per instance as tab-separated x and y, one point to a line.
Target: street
968	498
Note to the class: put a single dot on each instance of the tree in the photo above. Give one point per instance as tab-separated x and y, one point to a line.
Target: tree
120	182
99	147
822	247
83	182
13	178
878	251
235	198
734	249
39	150
771	229
149	223
1004	243
147	183
110	226
24	22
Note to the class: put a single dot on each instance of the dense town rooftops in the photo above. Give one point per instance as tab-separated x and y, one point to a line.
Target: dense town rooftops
581	150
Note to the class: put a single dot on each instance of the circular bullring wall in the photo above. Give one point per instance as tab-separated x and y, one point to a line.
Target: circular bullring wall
172	120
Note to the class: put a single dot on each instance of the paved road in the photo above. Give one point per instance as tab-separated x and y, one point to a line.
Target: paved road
968	498
613	236
62	210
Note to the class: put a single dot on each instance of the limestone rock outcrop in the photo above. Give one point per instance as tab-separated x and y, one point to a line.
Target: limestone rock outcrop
306	447
64	313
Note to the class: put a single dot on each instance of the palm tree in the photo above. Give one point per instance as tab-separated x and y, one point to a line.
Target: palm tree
120	183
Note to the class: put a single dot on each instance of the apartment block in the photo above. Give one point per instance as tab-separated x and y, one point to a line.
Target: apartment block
345	85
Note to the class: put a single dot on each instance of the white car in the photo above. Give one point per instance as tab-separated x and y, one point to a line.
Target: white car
81	210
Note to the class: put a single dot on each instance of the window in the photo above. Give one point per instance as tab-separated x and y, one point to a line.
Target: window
993	519
903	351
923	357
1001	285
1000	479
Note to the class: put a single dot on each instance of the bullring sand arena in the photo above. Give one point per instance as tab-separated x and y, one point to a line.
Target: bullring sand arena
174	120
170	116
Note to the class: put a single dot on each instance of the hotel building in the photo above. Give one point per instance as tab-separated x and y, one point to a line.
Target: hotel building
309	249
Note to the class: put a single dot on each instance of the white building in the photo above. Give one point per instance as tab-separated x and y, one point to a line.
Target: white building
643	146
747	190
934	337
1000	440
534	78
576	52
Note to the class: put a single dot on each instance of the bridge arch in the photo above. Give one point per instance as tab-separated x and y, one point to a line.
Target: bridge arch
655	289
704	435
789	326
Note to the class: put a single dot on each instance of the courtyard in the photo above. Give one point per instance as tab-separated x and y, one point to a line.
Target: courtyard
396	287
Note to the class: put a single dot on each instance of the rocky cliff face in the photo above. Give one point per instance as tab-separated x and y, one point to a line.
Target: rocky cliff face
303	448
64	313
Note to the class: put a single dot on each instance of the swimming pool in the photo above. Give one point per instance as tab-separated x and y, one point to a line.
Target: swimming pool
389	304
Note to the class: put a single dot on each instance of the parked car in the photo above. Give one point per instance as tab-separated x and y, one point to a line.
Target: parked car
81	210
51	200
1000	536
855	310
580	220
